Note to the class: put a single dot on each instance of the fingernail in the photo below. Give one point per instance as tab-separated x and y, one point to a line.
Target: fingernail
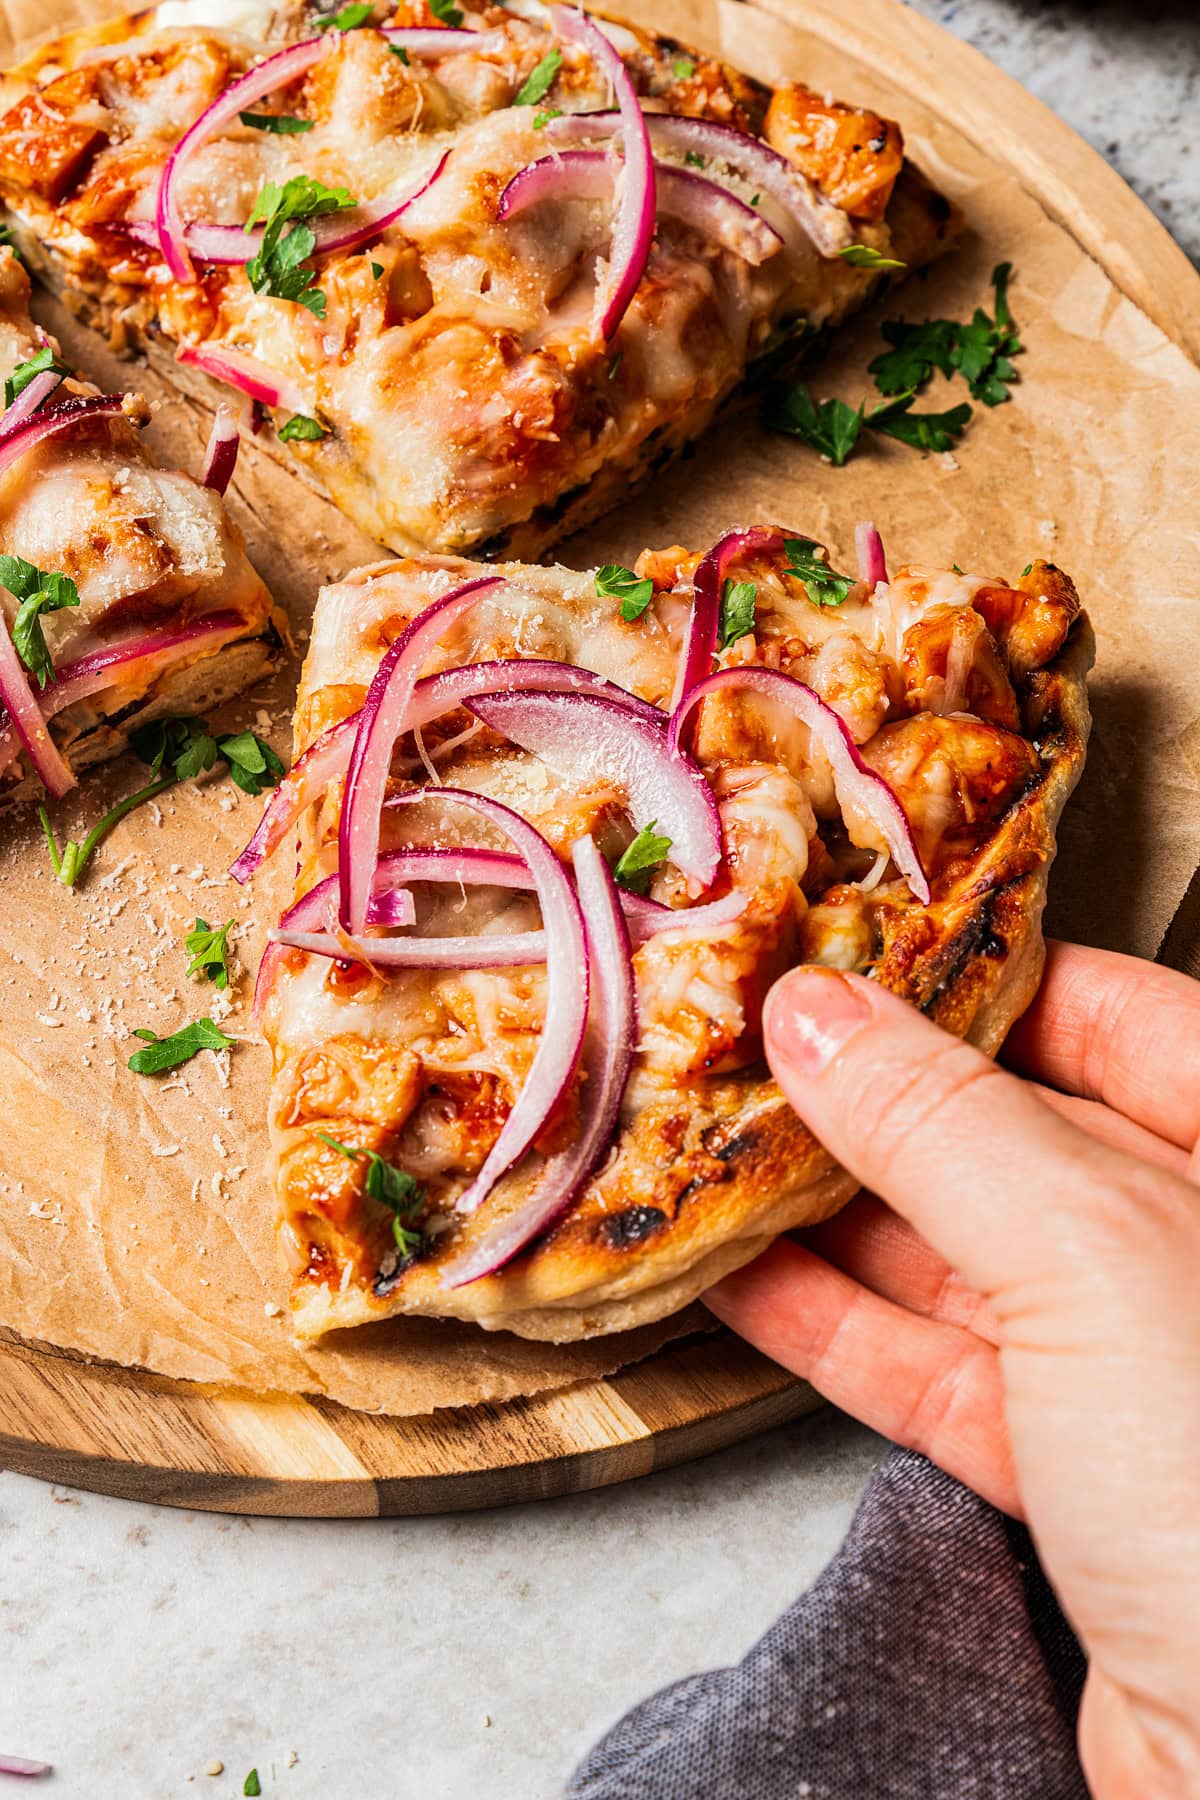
811	1014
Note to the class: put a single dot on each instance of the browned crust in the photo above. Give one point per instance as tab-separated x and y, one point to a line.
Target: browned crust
972	962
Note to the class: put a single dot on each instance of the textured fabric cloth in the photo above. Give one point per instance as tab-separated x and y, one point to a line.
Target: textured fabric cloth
930	1661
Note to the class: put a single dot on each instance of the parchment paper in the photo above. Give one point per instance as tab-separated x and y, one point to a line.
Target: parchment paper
135	1221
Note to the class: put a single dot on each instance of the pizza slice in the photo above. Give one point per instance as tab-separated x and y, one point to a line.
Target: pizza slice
484	275
125	589
560	832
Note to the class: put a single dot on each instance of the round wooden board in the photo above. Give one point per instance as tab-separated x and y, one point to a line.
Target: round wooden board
144	1437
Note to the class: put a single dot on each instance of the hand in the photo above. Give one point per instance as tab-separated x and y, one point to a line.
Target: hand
1025	1308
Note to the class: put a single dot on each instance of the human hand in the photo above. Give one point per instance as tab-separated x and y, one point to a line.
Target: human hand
1025	1309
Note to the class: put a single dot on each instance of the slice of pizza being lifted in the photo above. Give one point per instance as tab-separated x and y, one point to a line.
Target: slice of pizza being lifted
559	834
125	590
485	275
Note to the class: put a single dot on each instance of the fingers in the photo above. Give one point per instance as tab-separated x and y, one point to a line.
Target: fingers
1000	1184
1116	1029
1115	1129
930	1386
881	1251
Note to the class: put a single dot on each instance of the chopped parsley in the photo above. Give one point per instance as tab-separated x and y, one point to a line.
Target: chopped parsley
400	51
282	124
349	18
1027	570
641	859
540	80
981	351
923	431
446	14
683	68
25	372
9	241
694	159
251	1785
208	947
917	350
809	562
542	119
377	272
862	256
300	428
737	611
831	428
394	1188
38	591
281	267
615	582
169	1052
253	765
184	745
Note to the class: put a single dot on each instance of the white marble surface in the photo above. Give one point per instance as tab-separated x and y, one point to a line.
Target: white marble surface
138	1645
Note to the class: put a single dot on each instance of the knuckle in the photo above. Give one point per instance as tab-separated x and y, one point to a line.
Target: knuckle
943	1404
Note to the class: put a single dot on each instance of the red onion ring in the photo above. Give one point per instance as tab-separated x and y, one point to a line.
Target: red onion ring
245	373
801	203
40	425
647	919
633	223
24	1765
855	783
28	721
29	399
872	566
700	645
584	736
429	43
220	458
608	1056
592	175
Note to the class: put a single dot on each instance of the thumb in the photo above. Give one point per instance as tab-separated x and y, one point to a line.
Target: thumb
970	1155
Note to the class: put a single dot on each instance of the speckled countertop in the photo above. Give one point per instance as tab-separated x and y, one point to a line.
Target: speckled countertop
471	1657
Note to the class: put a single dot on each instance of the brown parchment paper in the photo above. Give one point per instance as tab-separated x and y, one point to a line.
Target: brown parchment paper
135	1220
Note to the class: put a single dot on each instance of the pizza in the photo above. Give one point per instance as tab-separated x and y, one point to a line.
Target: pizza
483	275
558	834
125	591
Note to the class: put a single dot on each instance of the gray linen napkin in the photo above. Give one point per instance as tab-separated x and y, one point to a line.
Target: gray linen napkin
929	1661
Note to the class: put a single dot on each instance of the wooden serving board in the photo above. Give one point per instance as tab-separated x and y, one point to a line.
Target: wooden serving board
145	1437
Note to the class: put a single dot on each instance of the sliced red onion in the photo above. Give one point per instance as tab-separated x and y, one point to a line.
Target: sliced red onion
220	458
801	203
496	950
335	231
633	223
608	1056
41	425
29	399
102	669
567	990
585	737
24	1765
428	43
872	568
245	373
708	582
384	716
28	721
647	919
855	783
592	175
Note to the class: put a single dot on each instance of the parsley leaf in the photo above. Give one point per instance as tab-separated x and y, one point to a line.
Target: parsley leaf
300	428
39	591
280	268
981	351
208	947
542	119
809	562
253	765
831	428
169	1052
392	1187
539	81
282	124
446	14
862	256
184	745
737	611
683	68
640	859
24	373
615	582
917	350
252	1785
401	52
923	431
348	19
9	241
694	159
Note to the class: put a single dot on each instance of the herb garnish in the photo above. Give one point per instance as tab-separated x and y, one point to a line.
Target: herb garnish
694	159
39	591
863	256
615	582
253	765
208	947
831	428
169	1052
683	68
251	1785
401	52
446	14
641	859
808	561
392	1187
737	611
282	124
24	373
349	18
542	119
923	431
540	80
300	428
281	268
9	241
980	352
